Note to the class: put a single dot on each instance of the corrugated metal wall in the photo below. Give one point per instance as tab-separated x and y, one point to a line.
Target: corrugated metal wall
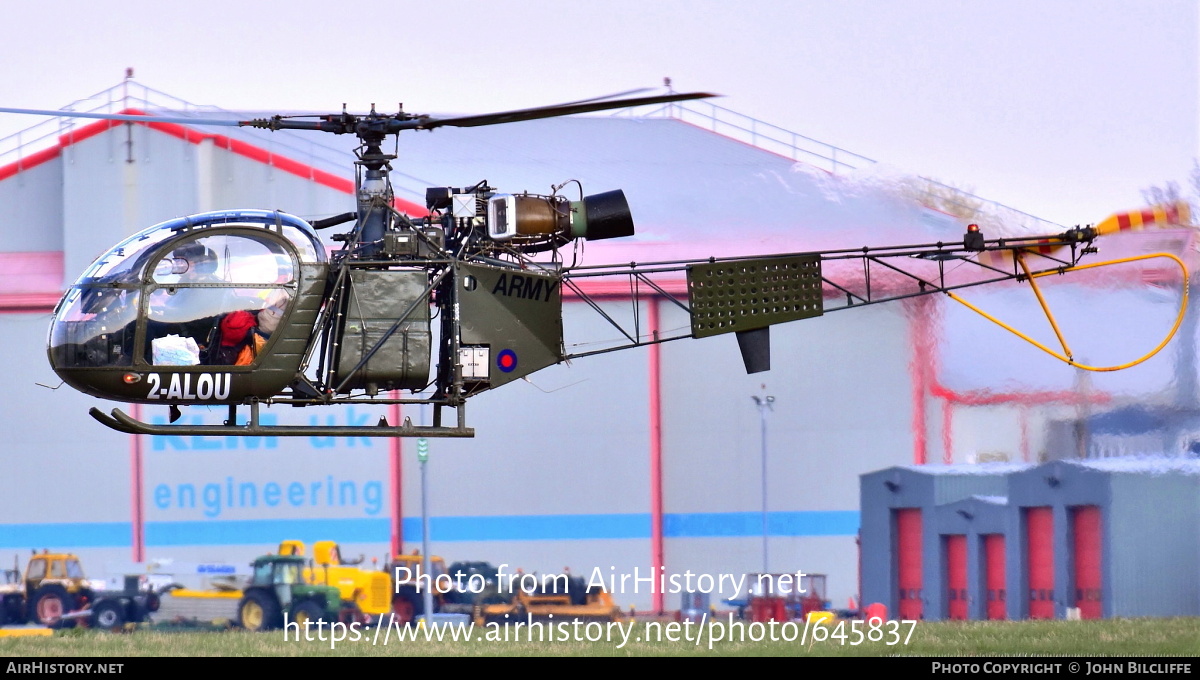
1152	545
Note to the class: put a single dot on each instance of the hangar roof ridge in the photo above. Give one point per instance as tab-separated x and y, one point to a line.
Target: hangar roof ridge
37	143
1155	465
968	469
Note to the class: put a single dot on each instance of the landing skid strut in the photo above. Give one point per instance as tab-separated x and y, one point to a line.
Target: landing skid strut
122	422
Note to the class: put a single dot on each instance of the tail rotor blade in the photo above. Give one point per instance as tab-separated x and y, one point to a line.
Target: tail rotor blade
1175	214
1171	214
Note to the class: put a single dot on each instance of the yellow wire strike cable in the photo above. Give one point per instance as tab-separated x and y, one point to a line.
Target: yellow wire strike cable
1067	356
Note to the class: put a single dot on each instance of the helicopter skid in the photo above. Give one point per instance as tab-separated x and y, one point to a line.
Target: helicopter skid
122	422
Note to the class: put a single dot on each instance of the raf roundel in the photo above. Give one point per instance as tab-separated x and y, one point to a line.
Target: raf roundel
506	360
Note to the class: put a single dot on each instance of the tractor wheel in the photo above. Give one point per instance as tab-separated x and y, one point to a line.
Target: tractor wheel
108	615
48	605
258	611
406	607
306	611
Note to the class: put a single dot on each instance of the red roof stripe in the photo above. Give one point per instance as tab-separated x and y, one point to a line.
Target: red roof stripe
33	159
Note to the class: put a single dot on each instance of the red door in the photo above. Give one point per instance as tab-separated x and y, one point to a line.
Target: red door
994	576
1039	534
909	572
956	577
1085	525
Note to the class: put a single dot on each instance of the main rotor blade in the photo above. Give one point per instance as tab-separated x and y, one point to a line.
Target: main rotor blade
341	124
126	117
626	93
544	112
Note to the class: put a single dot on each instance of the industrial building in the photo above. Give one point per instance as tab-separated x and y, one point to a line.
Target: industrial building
901	537
642	462
1098	538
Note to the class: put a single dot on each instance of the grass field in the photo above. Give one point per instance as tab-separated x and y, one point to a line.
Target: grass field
1127	637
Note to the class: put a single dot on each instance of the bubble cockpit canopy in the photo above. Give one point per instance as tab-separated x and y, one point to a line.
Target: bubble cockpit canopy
195	290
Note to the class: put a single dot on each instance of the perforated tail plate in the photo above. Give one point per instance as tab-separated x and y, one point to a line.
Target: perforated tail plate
744	295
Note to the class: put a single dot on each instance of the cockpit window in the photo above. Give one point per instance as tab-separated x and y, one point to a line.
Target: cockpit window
216	300
204	290
307	245
120	260
214	326
95	327
226	258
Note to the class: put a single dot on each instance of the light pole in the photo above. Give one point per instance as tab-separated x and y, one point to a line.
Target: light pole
426	563
764	405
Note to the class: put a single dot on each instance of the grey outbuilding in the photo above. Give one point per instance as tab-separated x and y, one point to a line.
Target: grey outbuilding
902	549
1116	537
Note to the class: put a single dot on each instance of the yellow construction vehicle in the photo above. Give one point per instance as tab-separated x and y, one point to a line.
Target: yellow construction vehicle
365	593
560	597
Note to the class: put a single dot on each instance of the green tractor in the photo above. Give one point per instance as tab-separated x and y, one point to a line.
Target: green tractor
278	594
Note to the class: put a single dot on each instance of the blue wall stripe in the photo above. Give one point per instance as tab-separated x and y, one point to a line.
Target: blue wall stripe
530	527
61	536
806	523
267	532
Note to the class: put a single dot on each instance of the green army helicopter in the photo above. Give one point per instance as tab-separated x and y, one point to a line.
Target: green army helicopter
242	308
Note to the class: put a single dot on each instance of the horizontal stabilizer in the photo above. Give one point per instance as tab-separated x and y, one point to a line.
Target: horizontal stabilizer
756	349
744	294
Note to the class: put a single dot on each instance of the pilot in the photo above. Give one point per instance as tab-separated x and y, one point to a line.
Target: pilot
199	263
186	312
269	316
242	334
236	344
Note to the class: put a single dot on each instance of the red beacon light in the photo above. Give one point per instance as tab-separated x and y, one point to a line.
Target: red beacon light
973	240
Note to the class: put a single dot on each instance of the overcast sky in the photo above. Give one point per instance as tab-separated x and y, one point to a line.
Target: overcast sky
1063	108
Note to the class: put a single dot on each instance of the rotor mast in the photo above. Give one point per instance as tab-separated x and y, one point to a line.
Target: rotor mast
372	181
